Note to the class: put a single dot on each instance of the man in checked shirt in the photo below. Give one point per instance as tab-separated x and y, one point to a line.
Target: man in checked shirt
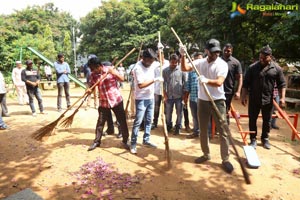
109	99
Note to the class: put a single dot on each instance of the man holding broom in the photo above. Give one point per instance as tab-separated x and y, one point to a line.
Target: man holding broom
109	99
213	71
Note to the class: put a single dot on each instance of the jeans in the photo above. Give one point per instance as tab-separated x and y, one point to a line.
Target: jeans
194	106
1	120
144	110
169	110
105	114
186	116
61	86
3	105
273	120
228	104
205	110
35	92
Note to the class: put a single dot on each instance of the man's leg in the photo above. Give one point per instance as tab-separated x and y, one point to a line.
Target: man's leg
67	93
267	116
178	107
253	112
121	118
59	95
168	112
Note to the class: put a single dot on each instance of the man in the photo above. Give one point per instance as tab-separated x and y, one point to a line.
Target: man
19	84
63	83
157	89
144	97
48	73
87	73
213	72
32	78
3	126
235	73
110	98
191	92
259	82
174	84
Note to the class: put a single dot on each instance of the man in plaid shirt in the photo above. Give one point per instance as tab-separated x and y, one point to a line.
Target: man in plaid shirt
109	99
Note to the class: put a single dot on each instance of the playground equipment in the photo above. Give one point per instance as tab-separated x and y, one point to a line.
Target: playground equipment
71	76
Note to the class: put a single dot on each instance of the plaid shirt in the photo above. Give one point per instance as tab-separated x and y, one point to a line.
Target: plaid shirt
192	86
109	93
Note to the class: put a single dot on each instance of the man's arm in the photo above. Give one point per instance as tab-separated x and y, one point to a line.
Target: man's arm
239	78
185	67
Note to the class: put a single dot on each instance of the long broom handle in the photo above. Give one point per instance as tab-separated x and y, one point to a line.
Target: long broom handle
130	52
223	123
163	109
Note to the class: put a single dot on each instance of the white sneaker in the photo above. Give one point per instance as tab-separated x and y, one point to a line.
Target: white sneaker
34	114
133	150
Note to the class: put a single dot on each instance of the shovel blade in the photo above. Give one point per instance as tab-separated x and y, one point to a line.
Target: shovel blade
251	155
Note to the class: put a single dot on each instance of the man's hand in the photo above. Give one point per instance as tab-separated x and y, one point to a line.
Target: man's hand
244	101
182	49
160	46
202	79
237	96
160	79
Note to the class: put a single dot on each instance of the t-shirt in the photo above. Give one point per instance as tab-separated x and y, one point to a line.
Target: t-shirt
211	71
142	74
234	68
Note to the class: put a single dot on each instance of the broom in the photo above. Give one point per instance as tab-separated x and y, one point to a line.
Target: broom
223	122
162	112
131	88
50	128
69	120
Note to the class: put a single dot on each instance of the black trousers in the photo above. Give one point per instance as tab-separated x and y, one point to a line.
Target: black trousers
228	104
105	114
253	111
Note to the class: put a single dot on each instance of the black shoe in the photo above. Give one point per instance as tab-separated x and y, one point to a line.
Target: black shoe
192	136
141	128
202	159
5	115
227	166
253	143
275	127
119	135
93	146
266	144
108	132
125	145
153	126
177	131
4	127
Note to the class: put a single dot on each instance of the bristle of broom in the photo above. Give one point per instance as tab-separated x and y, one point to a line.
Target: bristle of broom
46	130
67	122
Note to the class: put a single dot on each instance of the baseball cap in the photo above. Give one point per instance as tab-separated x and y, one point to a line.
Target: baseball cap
92	56
106	63
28	62
266	50
213	45
18	62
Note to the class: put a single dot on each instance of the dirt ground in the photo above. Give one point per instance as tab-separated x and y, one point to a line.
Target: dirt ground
60	167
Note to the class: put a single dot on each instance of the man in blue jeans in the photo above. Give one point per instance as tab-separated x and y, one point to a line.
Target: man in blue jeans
63	82
174	86
144	98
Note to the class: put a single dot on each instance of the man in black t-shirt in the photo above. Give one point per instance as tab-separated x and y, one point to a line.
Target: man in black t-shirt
235	73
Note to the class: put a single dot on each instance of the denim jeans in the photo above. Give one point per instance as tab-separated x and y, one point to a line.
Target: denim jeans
144	110
35	92
158	99
169	110
60	87
1	120
194	106
273	120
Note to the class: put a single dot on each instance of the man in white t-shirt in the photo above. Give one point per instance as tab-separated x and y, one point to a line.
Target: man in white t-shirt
213	71
144	97
19	84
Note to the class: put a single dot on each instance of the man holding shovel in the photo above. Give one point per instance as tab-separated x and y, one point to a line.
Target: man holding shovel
213	71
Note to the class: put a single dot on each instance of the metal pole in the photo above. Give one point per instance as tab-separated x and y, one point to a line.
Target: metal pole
74	48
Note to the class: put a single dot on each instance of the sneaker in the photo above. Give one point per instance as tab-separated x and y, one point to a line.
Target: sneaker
227	166
43	113
202	159
150	145
188	128
253	143
119	135
192	136
4	127
133	149
266	144
34	114
275	127
59	110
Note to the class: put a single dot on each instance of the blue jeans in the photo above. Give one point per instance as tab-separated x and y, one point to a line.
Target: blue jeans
1	120
273	120
144	109
35	92
169	110
194	106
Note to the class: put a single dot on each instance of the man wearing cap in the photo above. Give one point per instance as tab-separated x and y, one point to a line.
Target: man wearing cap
213	71
63	82
32	78
87	73
259	83
235	73
19	84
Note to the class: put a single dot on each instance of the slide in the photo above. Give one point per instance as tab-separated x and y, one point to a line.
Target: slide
71	76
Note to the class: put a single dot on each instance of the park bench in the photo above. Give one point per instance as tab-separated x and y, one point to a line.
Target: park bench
292	102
